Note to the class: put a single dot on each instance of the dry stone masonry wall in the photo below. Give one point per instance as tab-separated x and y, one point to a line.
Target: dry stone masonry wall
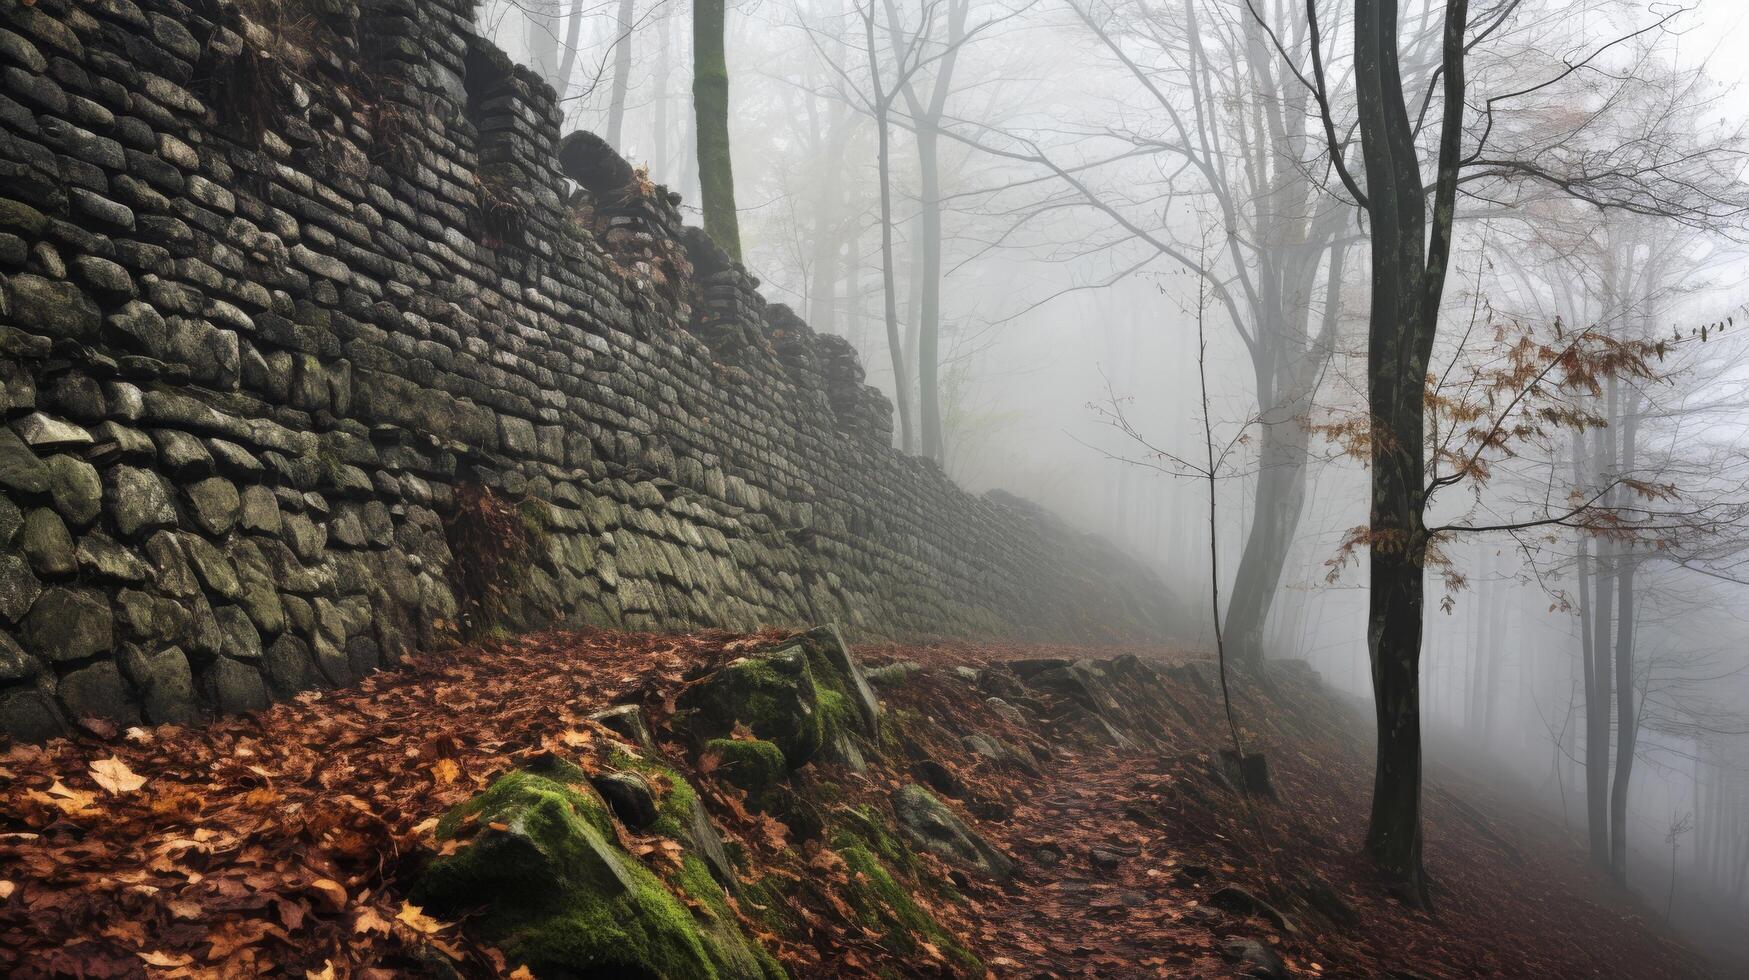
280	277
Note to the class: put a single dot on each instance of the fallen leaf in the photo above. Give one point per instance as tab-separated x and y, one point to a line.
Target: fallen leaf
325	973
415	917
160	958
445	771
6	889
332	891
369	921
113	775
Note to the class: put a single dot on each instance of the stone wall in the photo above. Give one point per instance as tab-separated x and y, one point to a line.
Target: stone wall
279	279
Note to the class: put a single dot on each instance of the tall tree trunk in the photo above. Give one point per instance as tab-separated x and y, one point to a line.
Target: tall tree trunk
710	100
929	319
659	106
622	73
1627	715
1408	282
1281	481
828	237
889	290
1599	705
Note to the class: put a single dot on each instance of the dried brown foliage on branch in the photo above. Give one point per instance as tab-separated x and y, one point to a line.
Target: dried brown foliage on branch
1516	395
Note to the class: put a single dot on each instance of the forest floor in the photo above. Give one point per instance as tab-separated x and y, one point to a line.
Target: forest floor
285	842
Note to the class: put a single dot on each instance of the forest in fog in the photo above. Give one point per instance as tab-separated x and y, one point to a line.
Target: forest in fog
1440	299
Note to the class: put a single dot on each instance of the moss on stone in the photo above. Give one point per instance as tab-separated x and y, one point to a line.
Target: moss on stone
754	765
880	900
553	892
773	695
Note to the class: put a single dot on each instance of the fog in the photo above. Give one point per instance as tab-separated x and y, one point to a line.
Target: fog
1109	176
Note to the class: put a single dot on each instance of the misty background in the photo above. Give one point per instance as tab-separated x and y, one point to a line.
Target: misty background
1086	221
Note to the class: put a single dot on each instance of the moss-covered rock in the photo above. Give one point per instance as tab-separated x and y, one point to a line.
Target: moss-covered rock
773	694
754	765
879	899
835	669
550	889
679	813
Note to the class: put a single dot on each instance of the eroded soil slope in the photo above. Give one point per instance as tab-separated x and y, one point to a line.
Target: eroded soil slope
1113	842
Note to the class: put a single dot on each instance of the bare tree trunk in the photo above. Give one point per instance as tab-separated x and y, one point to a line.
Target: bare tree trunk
883	159
1408	282
1627	715
710	100
622	72
1281	482
828	237
1599	702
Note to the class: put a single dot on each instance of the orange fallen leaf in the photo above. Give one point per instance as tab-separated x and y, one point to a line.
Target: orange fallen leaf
6	889
160	958
325	973
114	775
445	771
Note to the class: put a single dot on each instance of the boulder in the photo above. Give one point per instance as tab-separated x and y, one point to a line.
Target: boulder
772	694
928	824
98	691
1257	959
537	865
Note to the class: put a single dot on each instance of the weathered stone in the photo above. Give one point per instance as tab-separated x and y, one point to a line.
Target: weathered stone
214	504
241	639
57	308
31	716
260	512
138	501
929	824
214	569
236	687
628	796
20	469
627	721
260	596
18	585
175	574
166	684
76	489
15	664
98	691
182	454
288	667
43	433
99	555
773	695
45	541
69	624
555	893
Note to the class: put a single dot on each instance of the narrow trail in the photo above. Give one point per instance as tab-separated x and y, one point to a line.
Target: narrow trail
283	843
